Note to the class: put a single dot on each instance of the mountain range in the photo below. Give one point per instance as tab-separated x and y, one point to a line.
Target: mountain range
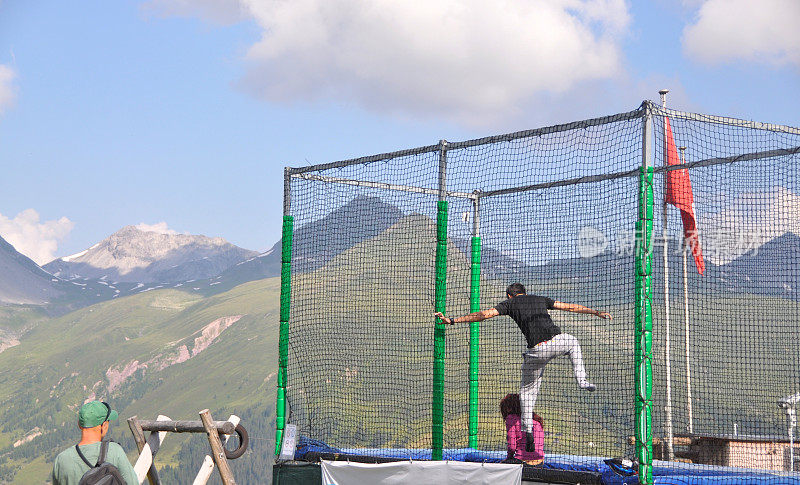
132	261
23	281
174	347
135	256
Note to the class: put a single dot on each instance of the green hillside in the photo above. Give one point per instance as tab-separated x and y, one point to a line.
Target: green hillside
361	354
101	351
360	362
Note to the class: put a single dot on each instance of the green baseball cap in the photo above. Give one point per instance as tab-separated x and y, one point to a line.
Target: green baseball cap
95	413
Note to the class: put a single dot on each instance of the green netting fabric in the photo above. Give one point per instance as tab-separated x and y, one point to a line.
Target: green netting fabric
557	212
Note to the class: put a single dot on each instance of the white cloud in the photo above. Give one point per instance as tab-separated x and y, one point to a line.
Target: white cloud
464	59
757	31
7	90
752	220
159	227
36	240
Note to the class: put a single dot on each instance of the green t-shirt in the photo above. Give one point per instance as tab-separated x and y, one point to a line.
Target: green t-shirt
69	468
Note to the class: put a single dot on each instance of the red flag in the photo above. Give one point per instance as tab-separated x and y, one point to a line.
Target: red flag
679	194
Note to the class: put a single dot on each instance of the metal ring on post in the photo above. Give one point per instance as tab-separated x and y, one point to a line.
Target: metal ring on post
244	440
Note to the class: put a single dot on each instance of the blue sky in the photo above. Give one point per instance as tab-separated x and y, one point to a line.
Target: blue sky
185	113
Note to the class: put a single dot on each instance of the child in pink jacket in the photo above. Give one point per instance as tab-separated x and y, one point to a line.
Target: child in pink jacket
510	409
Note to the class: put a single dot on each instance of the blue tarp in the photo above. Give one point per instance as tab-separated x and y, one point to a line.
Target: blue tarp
664	473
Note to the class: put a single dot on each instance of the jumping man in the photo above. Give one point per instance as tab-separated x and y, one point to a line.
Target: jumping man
544	338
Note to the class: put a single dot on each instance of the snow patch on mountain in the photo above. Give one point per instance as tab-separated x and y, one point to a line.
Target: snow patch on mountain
146	256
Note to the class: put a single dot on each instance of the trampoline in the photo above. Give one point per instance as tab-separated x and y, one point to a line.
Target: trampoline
559	468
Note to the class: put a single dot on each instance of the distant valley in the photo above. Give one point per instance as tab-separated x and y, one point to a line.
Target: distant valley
177	322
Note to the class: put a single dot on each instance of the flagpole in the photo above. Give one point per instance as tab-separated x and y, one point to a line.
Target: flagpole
667	351
690	428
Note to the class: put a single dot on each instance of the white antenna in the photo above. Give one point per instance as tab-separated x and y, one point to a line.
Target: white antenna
663	94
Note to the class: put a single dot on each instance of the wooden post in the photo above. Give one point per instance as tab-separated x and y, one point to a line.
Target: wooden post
223	427
144	455
207	468
218	454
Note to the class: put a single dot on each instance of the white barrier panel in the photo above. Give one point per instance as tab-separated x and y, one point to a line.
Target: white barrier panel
207	467
420	473
150	449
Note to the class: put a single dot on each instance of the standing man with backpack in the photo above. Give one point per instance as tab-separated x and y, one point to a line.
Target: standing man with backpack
93	460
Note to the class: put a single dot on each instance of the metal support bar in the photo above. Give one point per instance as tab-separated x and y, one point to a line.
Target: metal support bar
781	152
385	157
287	238
560	183
722	120
474	327
547	130
379	185
287	189
546	185
476	214
690	427
643	339
440	297
443	147
667	339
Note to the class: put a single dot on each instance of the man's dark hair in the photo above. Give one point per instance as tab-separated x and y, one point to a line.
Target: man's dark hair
515	289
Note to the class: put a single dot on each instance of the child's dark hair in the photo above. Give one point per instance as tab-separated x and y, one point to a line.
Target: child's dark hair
510	405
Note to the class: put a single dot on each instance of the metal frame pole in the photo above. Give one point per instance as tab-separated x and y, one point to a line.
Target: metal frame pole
667	349
690	427
643	339
440	297
287	235
791	415
474	327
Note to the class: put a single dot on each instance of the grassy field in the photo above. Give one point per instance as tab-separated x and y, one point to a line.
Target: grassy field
62	362
361	360
362	346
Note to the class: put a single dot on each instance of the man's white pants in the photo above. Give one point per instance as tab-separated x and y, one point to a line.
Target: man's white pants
533	363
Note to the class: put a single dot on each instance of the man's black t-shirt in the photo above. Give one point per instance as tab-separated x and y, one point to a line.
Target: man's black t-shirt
530	313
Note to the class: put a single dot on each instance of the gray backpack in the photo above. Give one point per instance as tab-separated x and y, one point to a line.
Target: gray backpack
102	473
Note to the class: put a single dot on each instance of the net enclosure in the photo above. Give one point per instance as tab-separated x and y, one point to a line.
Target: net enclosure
620	214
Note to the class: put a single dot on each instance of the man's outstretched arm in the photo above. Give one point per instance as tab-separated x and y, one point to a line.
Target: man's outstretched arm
575	308
472	317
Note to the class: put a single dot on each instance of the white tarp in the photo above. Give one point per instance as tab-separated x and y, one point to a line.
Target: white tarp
420	473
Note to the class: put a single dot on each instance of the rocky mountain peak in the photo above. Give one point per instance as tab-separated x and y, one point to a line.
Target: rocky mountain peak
136	255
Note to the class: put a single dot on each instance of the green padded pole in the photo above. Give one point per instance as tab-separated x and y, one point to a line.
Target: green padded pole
643	316
437	419
474	335
283	339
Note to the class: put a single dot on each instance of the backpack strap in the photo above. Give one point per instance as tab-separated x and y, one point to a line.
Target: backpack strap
103	451
78	449
100	459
